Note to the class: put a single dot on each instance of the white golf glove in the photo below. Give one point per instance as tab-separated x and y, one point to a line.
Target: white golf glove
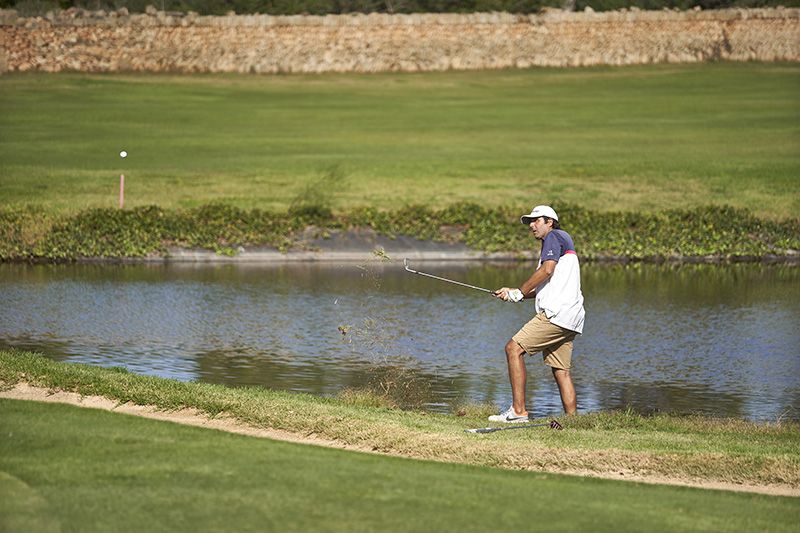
515	295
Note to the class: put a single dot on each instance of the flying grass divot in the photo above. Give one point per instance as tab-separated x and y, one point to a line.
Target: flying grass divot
553	424
393	379
381	254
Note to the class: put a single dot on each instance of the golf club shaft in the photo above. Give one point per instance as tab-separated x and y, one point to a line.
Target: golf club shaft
446	280
521	426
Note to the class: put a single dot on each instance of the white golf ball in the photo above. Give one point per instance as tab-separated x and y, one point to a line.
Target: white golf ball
123	154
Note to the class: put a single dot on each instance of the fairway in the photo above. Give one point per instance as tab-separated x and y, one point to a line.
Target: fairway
86	470
642	138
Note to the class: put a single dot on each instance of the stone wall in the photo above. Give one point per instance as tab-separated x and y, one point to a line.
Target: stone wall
170	42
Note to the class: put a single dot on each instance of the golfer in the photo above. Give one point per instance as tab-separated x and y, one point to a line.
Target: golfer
556	285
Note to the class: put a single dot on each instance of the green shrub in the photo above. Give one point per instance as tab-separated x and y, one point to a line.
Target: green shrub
21	231
105	233
723	232
313	204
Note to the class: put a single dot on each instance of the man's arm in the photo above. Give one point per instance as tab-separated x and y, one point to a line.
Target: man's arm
541	275
528	288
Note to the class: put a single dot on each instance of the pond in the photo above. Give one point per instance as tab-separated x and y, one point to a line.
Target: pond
714	340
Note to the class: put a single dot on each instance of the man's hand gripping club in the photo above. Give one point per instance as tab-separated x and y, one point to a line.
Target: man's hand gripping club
509	295
527	289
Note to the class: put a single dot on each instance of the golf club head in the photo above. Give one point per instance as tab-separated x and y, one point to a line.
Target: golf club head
555	425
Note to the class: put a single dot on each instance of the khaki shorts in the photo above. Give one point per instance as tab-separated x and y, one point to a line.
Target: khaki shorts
555	342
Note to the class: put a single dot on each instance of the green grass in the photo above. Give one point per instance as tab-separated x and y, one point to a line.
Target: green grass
639	138
72	469
681	448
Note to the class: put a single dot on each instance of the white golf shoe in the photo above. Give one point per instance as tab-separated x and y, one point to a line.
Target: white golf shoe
509	417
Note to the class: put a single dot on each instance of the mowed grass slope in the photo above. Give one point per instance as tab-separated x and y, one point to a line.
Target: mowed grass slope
618	444
642	138
64	468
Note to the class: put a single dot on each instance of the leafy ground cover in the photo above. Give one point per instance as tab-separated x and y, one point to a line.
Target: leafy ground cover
678	448
723	232
632	139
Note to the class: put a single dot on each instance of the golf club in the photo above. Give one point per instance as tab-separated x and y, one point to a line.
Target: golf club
405	262
553	424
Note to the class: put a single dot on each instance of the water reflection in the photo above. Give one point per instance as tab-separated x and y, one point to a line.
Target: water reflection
718	340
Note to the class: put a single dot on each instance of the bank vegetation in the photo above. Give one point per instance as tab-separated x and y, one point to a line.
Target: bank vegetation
705	233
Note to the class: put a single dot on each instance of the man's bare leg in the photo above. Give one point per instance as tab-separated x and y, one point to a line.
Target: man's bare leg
567	390
517	375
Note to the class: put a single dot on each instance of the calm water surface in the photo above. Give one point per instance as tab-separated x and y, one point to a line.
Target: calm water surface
717	340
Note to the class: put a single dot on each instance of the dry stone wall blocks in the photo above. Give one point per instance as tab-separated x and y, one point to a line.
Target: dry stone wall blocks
158	41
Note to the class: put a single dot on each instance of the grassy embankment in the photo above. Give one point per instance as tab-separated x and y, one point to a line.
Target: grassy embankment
64	468
605	139
681	448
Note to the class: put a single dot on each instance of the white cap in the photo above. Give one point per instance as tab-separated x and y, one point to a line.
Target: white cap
539	211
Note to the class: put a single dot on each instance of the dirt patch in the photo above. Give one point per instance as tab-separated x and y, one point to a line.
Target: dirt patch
192	417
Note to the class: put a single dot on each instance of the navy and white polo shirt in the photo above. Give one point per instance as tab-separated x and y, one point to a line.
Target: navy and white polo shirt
560	297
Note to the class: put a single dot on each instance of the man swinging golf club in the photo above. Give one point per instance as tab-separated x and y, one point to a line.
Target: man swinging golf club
556	286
